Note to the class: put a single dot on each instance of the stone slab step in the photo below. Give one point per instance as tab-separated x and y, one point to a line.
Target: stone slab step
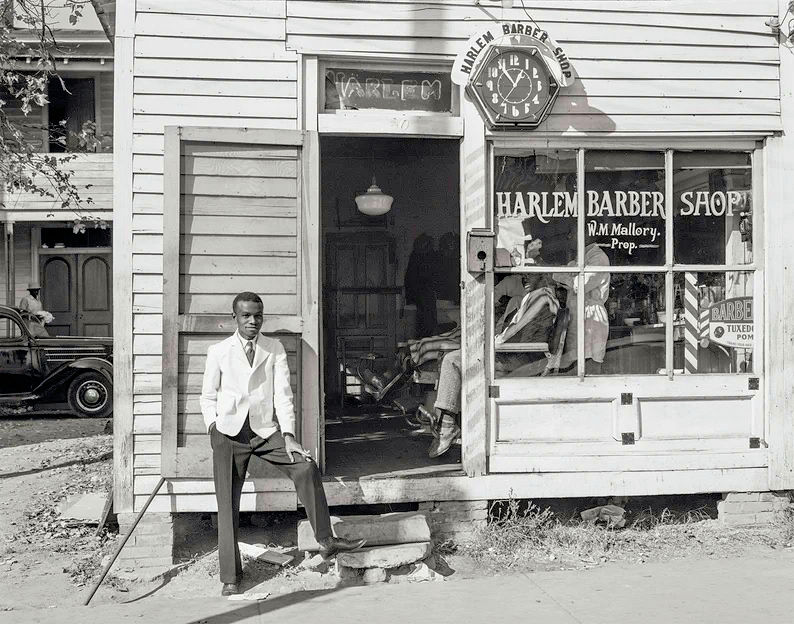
385	556
379	530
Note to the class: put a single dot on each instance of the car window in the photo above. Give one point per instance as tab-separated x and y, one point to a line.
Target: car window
9	329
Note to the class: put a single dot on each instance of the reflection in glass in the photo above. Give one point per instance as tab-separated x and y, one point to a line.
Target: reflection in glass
625	206
712	208
635	313
535	208
713	322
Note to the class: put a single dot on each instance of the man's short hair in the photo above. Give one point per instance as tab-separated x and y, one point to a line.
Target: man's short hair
246	296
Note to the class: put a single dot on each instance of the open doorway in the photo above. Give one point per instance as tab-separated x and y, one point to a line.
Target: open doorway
387	280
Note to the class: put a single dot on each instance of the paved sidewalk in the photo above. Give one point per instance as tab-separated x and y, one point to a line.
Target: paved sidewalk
740	590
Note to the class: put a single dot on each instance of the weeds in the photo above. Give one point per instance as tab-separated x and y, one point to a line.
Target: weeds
524	535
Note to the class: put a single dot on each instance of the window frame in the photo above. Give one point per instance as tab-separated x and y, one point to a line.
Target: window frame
22	340
514	145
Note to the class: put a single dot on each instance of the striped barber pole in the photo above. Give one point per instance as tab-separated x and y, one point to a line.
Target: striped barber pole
691	323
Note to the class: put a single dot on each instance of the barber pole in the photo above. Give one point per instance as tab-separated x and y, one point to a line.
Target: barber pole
691	323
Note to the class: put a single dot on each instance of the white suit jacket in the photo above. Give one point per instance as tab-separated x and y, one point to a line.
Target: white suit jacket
233	389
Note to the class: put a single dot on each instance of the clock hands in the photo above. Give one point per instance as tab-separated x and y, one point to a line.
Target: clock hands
504	71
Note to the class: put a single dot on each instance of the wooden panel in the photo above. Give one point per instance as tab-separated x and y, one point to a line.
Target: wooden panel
543	485
554	421
154	124
635	462
209	26
675	12
241	8
205	245
712	417
233	284
212	68
193	86
285	264
214	106
233	225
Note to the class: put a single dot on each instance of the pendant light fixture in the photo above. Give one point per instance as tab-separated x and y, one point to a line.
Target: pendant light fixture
374	202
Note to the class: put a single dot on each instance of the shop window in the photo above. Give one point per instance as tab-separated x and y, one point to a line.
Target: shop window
661	294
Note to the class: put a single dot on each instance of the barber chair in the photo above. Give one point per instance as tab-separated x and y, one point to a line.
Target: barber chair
552	349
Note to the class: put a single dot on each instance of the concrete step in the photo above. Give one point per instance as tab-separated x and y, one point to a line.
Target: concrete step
385	556
379	530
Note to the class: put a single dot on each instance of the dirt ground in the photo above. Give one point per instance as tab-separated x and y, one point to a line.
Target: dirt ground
46	562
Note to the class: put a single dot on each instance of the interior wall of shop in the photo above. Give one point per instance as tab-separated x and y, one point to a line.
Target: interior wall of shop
422	176
643	67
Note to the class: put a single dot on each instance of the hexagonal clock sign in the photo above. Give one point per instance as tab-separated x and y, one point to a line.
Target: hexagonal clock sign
513	87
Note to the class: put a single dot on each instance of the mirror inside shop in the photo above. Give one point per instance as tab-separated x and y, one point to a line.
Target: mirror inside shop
391	301
704	291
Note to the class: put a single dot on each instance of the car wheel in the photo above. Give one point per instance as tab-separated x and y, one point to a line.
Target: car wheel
90	394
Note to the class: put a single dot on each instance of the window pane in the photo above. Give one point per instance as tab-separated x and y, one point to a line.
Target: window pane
625	205
636	335
9	330
535	208
532	324
712	195
713	322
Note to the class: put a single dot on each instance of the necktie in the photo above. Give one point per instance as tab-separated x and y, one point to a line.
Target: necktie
249	352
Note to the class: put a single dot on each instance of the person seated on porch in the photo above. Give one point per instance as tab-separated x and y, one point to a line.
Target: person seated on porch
33	312
527	317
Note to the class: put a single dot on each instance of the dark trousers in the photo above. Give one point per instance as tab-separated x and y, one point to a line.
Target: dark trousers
230	456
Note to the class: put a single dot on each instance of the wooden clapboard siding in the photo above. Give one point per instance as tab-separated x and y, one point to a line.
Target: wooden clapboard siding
227	243
92	174
666	66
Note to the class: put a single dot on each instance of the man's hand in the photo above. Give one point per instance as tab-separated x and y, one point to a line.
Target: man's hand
291	445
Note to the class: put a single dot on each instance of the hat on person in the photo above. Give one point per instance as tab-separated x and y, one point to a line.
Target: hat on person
34	285
526	225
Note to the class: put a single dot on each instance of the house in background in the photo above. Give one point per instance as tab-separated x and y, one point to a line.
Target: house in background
40	241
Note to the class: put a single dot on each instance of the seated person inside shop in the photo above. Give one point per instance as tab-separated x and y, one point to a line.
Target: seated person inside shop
527	305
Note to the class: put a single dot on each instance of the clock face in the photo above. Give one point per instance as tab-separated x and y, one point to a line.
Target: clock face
514	87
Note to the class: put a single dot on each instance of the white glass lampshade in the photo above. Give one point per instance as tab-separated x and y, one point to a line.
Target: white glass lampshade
374	202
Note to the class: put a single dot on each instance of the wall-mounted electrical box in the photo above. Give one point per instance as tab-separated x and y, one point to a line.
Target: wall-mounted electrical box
480	250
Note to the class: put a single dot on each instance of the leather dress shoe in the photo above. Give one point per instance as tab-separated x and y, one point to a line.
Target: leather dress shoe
229	589
448	432
333	545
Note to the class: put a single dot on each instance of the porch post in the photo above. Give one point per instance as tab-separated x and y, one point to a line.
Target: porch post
474	203
10	258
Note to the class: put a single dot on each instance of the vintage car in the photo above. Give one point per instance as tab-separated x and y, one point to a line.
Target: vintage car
52	373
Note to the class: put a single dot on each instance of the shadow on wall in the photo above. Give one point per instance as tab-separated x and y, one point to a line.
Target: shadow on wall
572	112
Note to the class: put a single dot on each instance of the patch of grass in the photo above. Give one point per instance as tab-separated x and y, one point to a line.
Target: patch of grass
521	534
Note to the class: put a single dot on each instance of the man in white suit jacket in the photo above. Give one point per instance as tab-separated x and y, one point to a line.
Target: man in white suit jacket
246	400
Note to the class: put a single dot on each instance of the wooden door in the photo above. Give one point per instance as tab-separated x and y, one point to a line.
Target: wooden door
77	289
232	222
59	292
95	295
360	292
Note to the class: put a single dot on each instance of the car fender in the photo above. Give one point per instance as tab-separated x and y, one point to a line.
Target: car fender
64	374
100	365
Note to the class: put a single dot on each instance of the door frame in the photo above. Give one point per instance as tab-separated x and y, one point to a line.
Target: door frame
366	124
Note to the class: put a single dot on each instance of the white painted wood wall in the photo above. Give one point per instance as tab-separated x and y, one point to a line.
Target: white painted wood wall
644	67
